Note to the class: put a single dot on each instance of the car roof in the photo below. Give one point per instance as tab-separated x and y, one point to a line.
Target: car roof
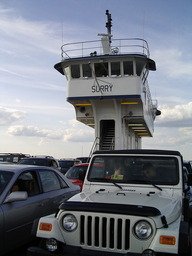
68	159
21	167
38	157
81	164
137	151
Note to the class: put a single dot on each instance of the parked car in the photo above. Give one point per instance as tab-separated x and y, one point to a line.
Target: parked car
77	174
125	216
188	165
26	194
65	164
84	159
48	161
12	157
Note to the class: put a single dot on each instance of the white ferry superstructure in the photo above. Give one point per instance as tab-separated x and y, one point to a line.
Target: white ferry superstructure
108	87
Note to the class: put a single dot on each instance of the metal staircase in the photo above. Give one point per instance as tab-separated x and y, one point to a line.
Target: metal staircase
107	140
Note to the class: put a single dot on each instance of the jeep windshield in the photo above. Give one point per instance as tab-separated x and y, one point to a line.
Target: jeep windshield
152	170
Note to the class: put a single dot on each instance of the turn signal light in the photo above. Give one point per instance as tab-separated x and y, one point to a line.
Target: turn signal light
45	226
170	240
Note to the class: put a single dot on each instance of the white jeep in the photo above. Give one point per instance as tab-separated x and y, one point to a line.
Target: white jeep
144	208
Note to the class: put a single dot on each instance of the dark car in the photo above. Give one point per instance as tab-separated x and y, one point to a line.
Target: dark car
48	161
26	194
188	165
77	174
65	164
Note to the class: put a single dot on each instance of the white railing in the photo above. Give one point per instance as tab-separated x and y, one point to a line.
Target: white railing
118	46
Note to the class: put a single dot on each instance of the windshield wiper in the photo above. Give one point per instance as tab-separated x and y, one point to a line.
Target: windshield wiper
108	181
152	183
117	185
146	182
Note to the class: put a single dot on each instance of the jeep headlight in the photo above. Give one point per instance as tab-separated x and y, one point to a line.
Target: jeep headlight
143	229
69	222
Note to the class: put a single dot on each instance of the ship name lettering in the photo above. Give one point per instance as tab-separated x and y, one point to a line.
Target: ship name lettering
102	88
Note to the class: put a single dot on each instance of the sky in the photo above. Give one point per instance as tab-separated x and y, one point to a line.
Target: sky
35	117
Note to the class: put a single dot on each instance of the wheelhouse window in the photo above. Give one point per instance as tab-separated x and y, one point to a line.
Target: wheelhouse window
101	69
87	72
139	67
115	68
75	71
135	170
67	73
128	68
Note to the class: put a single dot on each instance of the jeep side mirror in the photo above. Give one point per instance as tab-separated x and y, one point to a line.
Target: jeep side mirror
189	182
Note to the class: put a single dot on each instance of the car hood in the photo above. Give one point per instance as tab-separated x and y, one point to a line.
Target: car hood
169	207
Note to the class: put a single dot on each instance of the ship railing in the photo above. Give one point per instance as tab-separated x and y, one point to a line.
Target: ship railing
152	103
93	48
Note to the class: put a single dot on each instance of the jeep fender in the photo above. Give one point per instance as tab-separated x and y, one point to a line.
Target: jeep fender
48	227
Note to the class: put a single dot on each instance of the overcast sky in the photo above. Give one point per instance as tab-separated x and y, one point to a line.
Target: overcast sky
35	117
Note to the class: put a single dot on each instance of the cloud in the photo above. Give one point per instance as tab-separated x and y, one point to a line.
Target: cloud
32	35
12	73
173	63
78	132
178	115
174	138
9	116
73	134
26	43
32	131
21	37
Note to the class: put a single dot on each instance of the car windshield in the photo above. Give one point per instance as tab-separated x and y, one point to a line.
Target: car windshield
5	177
135	170
76	171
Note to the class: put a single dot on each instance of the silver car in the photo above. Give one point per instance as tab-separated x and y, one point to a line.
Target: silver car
26	194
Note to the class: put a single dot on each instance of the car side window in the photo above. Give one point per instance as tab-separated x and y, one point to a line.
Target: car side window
63	183
49	181
28	182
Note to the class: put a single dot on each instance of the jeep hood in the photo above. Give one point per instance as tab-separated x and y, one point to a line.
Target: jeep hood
168	207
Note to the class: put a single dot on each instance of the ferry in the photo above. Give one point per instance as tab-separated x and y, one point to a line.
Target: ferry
108	87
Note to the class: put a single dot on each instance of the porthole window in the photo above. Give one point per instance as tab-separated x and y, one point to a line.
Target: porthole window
75	71
128	68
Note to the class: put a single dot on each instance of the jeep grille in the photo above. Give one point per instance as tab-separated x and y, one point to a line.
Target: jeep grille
104	232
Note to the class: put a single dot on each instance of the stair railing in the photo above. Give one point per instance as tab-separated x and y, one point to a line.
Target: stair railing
94	146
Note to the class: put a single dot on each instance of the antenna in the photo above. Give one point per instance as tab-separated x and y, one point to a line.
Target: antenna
109	24
62	33
106	38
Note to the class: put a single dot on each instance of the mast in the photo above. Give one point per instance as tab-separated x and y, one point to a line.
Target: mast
109	25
